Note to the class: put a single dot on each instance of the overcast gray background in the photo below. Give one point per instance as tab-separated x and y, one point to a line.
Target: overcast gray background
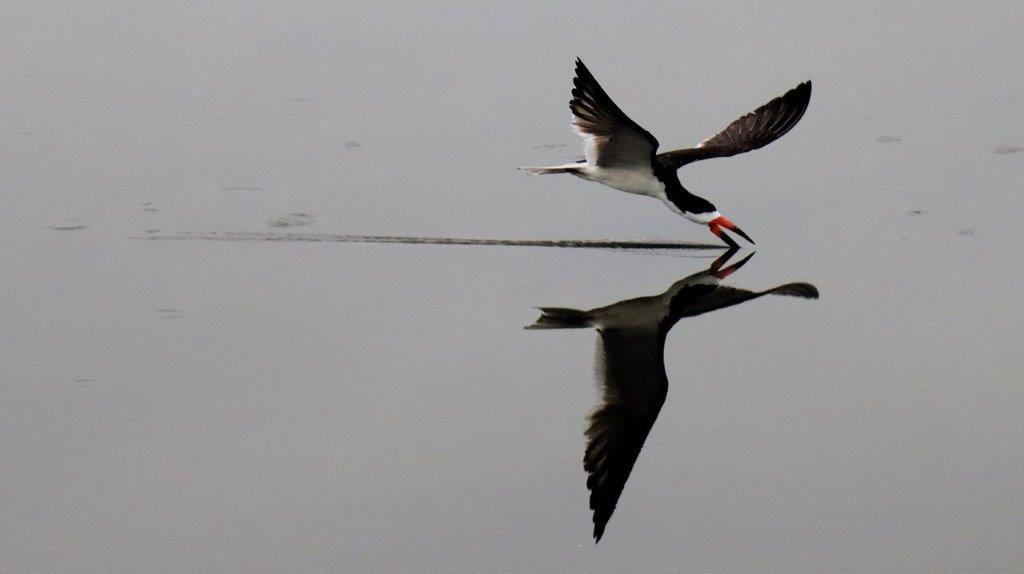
201	406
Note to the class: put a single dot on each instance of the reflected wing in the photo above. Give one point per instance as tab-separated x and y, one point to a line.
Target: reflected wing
631	369
699	299
610	138
752	131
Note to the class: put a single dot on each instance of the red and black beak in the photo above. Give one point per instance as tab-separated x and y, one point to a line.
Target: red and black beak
717	224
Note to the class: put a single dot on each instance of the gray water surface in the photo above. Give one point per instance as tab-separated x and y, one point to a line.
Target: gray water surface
241	406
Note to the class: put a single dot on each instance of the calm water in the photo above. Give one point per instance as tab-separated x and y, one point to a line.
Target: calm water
271	406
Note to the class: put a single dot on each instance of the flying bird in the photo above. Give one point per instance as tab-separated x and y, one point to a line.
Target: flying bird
622	155
631	368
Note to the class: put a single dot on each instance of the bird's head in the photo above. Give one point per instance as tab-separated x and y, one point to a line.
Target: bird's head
719	223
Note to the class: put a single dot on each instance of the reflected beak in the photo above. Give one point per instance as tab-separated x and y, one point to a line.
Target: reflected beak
722	272
720	222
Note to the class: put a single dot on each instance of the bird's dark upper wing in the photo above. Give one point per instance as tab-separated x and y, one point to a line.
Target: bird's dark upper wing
631	369
752	131
610	138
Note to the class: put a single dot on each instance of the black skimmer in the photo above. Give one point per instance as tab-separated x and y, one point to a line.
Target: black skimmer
631	368
622	155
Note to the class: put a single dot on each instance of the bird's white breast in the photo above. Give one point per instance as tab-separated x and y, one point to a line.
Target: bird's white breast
630	180
702	218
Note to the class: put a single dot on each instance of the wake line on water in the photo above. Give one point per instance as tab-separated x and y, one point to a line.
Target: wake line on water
341	238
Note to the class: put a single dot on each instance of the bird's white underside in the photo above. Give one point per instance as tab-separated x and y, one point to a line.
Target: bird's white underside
638	179
630	177
640	182
631	180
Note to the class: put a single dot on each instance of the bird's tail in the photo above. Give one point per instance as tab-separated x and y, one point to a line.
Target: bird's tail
562	318
567	168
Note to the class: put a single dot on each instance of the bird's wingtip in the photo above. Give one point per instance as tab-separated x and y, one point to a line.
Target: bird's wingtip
802	86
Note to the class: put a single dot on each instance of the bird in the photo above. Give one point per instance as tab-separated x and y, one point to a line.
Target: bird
622	155
630	368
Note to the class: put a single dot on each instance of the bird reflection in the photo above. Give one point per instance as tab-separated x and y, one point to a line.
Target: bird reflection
630	368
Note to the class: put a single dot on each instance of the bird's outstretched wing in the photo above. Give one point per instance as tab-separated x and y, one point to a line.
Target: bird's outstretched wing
610	138
752	131
631	370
